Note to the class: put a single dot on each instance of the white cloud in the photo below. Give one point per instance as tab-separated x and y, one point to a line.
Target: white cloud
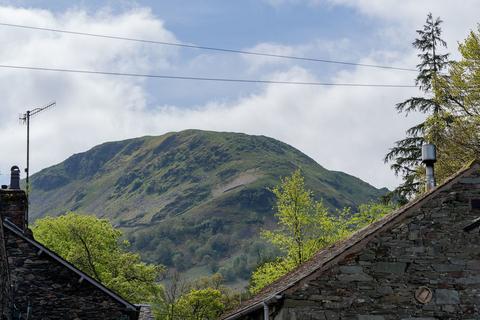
406	16
90	109
342	128
340	48
347	129
402	17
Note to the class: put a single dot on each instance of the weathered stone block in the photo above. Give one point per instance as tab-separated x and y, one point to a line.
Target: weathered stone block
291	303
447	267
446	296
390	267
371	317
413	235
360	277
473	265
468	280
470	181
351	269
415	249
384	290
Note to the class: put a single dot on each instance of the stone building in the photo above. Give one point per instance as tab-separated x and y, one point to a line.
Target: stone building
38	284
420	262
5	305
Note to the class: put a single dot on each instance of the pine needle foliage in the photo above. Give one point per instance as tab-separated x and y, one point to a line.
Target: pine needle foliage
405	156
456	131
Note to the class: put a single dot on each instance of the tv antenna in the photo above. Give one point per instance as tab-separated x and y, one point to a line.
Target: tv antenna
25	118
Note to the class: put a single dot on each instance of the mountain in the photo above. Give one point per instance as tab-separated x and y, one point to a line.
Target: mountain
192	200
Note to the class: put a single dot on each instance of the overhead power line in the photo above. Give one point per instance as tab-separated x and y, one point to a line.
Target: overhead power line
158	76
192	46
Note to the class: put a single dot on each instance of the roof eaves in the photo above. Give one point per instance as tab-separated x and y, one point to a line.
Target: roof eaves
17	231
365	233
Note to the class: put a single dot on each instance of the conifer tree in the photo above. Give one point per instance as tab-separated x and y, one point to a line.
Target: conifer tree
405	156
459	127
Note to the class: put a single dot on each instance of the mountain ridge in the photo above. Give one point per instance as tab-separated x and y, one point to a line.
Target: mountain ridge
164	191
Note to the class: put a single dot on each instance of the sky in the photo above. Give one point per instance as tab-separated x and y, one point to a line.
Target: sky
343	128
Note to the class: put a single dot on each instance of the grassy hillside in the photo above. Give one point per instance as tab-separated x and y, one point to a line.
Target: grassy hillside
193	200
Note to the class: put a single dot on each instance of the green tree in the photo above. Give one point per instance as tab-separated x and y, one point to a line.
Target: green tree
201	304
93	245
203	299
296	210
367	214
269	272
405	156
459	91
305	226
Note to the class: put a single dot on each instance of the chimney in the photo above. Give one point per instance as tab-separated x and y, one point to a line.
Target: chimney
15	178
429	157
13	201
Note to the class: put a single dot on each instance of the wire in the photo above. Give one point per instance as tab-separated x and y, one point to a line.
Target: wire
176	44
141	75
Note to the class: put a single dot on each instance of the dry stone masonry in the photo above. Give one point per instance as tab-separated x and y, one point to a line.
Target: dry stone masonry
5	302
420	264
46	289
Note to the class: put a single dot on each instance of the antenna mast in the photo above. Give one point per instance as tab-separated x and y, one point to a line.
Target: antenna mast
25	118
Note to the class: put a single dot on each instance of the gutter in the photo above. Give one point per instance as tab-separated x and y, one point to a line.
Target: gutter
262	304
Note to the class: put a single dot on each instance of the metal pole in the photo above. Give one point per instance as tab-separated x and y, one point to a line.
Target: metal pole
430	177
26	118
27	169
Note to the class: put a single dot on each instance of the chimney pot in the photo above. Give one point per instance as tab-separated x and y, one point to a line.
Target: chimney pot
429	153
429	157
15	178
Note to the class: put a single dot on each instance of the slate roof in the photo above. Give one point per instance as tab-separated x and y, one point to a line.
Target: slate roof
8	225
331	255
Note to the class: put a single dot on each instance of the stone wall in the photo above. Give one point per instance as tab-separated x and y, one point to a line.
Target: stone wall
5	305
13	206
428	253
46	289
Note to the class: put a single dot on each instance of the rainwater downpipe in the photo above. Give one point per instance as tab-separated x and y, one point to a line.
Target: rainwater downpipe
259	305
266	308
266	311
